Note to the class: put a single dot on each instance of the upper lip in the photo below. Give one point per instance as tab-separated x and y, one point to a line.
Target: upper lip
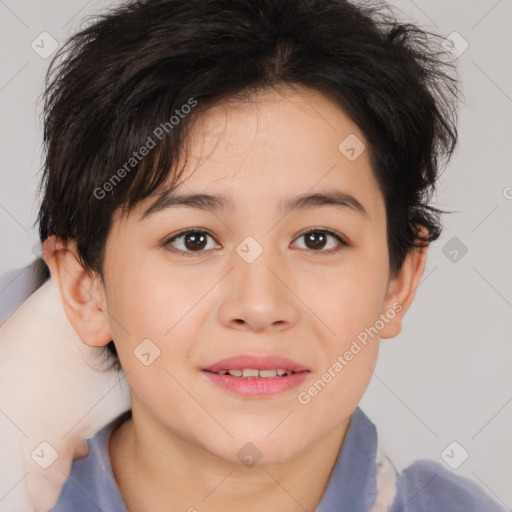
268	362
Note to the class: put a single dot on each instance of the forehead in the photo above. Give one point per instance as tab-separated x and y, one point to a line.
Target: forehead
285	125
282	142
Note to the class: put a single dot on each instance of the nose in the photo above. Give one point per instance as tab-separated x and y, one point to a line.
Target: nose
257	297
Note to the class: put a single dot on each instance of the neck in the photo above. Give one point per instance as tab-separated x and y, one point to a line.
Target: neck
157	470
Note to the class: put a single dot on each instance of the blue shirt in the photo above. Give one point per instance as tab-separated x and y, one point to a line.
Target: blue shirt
425	486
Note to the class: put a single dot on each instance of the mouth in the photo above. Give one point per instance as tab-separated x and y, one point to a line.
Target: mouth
255	373
254	366
256	376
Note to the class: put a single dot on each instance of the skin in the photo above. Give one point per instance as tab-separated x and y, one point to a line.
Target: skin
179	450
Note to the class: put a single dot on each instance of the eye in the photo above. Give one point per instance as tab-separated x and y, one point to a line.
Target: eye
189	242
195	240
317	239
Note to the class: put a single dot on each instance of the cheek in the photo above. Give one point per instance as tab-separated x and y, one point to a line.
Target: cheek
355	313
152	301
352	297
151	328
149	343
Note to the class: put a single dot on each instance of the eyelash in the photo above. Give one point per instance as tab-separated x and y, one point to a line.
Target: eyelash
337	236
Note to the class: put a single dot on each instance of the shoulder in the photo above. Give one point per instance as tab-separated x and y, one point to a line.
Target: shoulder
428	486
91	485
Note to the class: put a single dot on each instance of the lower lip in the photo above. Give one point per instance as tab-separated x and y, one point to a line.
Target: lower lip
263	386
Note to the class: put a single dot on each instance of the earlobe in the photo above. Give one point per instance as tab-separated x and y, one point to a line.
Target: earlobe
402	289
82	292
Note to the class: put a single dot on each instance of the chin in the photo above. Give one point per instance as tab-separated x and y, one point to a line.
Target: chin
264	451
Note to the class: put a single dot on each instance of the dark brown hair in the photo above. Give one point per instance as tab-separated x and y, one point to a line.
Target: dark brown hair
134	68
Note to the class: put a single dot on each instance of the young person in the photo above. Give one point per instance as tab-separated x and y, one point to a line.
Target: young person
233	193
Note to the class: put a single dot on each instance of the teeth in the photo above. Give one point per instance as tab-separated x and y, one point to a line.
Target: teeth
266	373
253	373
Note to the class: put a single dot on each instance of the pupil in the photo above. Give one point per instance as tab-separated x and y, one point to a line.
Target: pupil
316	238
198	241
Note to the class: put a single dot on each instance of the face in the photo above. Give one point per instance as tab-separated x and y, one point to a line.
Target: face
254	276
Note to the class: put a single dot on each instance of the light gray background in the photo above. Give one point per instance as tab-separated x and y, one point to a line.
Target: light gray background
447	376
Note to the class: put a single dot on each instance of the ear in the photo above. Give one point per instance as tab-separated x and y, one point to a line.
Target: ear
82	292
402	289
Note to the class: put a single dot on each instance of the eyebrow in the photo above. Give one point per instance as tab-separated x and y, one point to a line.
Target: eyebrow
215	202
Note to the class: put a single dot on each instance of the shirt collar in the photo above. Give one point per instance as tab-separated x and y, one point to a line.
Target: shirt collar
353	481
